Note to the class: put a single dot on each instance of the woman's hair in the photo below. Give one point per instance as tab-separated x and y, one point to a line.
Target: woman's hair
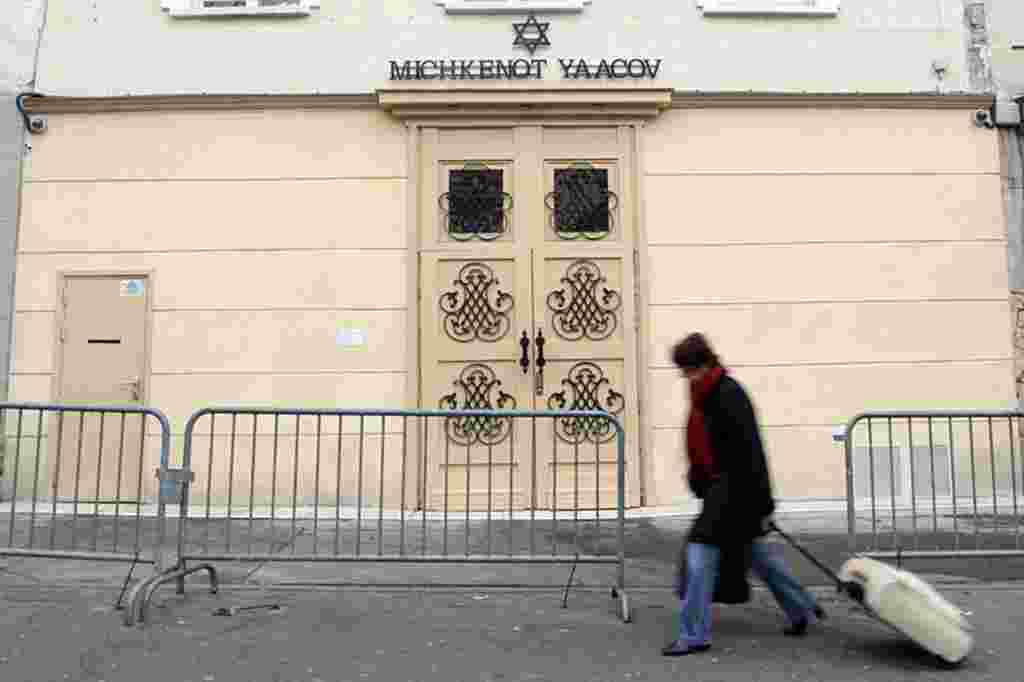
694	351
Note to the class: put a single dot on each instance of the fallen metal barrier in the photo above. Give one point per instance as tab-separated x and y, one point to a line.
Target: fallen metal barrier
399	486
935	484
79	488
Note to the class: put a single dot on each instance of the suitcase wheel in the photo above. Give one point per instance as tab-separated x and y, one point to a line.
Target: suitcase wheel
855	591
950	665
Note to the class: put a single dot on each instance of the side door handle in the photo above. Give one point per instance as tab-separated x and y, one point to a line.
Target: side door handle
539	375
524	360
136	387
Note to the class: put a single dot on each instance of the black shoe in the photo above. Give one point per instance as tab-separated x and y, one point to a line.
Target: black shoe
799	628
681	648
796	629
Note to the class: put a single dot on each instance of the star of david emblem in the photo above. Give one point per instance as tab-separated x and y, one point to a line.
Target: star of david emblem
531	34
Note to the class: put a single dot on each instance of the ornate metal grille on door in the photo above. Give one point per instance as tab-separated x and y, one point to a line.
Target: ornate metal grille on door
584	307
475	205
586	388
477	388
581	204
476	310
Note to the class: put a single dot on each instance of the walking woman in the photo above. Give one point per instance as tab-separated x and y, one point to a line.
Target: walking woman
729	472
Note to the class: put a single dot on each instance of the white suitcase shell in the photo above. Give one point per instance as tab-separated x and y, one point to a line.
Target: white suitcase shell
910	605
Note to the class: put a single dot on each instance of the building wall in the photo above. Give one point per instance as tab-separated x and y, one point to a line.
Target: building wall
115	48
259	254
841	260
866	272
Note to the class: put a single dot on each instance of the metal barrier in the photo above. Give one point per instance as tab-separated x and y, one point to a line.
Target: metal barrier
78	485
934	484
311	486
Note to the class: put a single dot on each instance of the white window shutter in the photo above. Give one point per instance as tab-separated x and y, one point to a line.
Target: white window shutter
511	6
791	8
240	8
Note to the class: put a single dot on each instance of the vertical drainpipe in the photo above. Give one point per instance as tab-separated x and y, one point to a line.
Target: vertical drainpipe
1013	188
980	79
14	142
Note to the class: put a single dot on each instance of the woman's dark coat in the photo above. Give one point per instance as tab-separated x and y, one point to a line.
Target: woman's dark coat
737	502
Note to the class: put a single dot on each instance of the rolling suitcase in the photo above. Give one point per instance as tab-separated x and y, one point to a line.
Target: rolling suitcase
902	601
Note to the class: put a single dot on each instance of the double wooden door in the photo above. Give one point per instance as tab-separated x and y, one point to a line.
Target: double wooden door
527	295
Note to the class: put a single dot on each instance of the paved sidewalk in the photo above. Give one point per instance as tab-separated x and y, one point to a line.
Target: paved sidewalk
652	549
390	622
55	633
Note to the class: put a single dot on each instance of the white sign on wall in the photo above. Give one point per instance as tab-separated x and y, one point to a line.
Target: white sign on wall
353	336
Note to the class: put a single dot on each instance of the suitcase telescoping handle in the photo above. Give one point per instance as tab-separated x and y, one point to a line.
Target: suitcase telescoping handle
855	591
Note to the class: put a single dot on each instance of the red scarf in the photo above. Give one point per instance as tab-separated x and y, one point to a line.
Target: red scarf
698	445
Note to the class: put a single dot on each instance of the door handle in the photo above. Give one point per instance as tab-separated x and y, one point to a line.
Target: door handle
539	375
136	386
524	360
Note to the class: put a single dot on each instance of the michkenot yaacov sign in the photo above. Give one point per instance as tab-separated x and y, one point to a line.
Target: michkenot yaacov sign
530	34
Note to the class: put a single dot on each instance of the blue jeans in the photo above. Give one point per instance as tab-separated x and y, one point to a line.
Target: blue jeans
702	564
702	575
768	565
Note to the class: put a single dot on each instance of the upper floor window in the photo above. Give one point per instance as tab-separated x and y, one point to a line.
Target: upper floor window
791	8
510	6
228	8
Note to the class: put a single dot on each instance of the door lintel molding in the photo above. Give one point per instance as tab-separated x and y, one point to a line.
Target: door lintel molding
457	105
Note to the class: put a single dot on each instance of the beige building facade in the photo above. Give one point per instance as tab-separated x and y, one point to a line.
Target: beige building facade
411	242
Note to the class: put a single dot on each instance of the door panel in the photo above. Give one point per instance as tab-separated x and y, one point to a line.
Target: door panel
475	306
581	446
473	316
102	362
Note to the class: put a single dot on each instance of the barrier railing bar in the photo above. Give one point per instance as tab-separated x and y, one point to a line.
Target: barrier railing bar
424	477
99	480
892	480
931	459
469	473
35	481
470	554
913	478
1004	504
17	462
554	486
165	449
295	479
337	505
92	545
56	478
316	485
952	478
992	460
415	559
871	473
380	490
1013	483
120	474
231	485
405	458
974	483
252	479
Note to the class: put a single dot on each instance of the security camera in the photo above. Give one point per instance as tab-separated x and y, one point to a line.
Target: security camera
37	124
983	119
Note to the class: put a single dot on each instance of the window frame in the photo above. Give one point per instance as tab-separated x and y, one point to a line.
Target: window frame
774	8
510	6
189	8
